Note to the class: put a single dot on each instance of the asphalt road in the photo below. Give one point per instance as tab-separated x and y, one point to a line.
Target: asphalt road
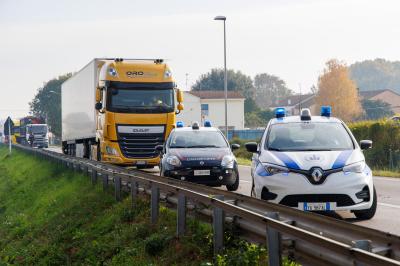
387	217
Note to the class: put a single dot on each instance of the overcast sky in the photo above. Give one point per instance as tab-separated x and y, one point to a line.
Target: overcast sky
292	39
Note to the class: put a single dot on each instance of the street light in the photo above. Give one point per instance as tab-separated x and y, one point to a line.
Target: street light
223	18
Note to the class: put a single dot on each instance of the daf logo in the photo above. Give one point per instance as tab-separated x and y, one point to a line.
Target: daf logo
134	73
317	174
201	162
314	158
140	130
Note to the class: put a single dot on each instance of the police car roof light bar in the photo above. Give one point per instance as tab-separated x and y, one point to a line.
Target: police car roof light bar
179	124
207	123
305	114
280	112
326	111
195	125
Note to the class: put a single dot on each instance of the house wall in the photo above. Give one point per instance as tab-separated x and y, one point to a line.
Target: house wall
216	109
191	111
391	98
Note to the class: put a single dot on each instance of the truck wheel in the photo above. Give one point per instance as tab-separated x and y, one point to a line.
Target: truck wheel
368	213
235	185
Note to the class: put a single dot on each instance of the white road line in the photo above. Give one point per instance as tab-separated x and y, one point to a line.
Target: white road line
389	205
245	181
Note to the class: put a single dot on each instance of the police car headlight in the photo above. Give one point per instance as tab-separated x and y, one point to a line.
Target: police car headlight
111	151
275	169
355	167
228	161
173	160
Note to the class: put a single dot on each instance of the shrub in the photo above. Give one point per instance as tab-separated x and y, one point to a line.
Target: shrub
156	243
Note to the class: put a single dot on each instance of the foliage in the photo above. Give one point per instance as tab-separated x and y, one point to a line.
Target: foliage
385	135
250	106
258	118
376	109
242	152
268	89
214	80
47	103
156	243
336	89
55	217
376	74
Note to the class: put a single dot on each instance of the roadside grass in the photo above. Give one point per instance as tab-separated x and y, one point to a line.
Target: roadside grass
243	161
53	216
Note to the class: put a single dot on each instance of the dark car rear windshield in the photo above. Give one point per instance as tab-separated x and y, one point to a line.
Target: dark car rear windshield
308	137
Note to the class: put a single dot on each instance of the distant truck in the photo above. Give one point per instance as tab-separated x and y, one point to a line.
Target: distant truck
37	135
118	111
23	131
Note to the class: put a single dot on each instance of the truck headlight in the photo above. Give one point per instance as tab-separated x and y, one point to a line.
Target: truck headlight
275	169
173	160
111	151
228	161
357	167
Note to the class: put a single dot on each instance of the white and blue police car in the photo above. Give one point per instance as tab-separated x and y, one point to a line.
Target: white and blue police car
313	163
200	155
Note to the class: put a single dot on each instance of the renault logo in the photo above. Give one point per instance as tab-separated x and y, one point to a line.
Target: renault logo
317	174
201	162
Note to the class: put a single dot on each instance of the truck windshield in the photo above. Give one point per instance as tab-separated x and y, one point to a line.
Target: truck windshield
38	129
197	139
308	137
141	100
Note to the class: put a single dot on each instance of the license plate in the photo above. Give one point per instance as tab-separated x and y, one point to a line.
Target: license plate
141	163
201	172
317	206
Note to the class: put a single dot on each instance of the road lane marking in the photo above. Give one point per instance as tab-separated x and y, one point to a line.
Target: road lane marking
245	181
389	205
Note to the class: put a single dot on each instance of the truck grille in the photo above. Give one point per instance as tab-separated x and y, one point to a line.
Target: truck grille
140	145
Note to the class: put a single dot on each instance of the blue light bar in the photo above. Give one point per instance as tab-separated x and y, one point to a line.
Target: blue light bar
207	123
326	111
179	124
280	112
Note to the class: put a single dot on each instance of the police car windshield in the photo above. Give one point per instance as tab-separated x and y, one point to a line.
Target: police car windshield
308	137
197	139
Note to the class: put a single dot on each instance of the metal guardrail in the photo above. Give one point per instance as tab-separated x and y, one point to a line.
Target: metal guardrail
307	237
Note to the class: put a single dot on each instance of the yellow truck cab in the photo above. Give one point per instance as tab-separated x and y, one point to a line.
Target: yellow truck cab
119	110
16	134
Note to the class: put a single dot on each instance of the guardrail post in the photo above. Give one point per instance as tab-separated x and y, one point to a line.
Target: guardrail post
105	181
117	185
273	242
155	198
94	176
134	192
181	215
218	226
362	244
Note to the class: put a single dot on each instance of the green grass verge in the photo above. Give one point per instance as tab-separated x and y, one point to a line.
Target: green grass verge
243	161
386	173
52	216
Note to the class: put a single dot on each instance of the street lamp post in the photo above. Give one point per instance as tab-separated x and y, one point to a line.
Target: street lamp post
223	18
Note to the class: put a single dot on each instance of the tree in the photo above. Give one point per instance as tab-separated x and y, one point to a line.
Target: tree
376	109
313	89
250	106
214	80
378	74
47	103
335	88
253	120
269	89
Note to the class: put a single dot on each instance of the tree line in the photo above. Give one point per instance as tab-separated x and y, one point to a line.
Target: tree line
337	86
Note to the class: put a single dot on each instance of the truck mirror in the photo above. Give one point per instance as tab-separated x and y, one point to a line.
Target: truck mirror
179	96
159	148
98	106
98	95
180	106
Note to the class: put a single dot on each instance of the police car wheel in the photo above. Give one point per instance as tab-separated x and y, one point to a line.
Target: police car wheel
235	185
368	213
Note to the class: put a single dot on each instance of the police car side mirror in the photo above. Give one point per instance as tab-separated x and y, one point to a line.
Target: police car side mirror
235	146
366	144
251	146
98	106
159	148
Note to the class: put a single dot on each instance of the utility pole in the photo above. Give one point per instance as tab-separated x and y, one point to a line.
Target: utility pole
187	74
9	135
300	99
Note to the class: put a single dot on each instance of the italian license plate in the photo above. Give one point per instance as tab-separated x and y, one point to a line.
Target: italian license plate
317	206
141	163
201	172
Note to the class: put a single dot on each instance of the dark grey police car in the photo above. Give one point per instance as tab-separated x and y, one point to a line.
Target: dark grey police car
200	155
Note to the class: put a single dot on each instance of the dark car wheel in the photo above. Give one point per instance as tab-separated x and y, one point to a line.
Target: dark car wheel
368	213
235	185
